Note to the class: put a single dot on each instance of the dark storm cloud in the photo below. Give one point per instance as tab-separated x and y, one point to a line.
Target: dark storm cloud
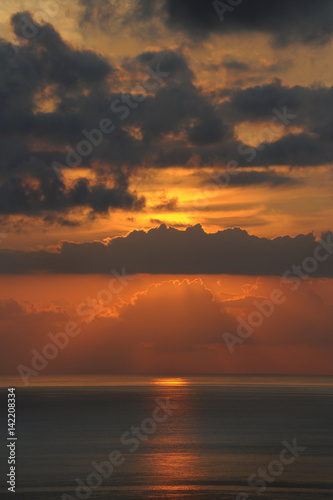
302	115
79	84
175	64
299	150
175	119
100	199
179	107
235	65
44	61
61	221
17	197
252	72
288	21
51	59
170	251
310	111
311	106
167	205
243	178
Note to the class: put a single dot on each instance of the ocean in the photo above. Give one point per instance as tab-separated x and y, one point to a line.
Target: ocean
154	437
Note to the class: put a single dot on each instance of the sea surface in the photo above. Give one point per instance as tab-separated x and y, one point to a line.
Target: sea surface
217	432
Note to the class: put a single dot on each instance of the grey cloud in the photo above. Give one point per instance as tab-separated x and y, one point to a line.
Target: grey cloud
172	63
296	21
176	121
17	197
51	59
302	21
46	60
170	251
235	65
254	177
309	109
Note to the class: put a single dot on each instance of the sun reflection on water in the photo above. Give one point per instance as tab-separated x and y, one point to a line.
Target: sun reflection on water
169	382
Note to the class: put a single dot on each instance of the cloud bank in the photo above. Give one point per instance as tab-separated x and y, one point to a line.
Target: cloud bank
171	251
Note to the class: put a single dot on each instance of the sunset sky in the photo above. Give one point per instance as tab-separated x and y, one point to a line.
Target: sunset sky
184	148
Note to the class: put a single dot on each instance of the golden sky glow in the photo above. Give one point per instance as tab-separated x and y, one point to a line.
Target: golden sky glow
168	324
302	207
164	162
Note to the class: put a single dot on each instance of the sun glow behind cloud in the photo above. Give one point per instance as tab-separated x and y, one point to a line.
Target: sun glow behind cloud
172	325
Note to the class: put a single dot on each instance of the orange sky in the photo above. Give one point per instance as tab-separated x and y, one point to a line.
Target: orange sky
167	324
157	168
290	209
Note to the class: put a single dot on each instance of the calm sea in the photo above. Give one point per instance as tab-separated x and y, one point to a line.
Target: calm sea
217	432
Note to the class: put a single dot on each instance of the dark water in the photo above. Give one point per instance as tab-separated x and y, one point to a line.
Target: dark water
222	431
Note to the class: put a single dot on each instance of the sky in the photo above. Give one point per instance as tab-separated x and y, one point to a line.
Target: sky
165	179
